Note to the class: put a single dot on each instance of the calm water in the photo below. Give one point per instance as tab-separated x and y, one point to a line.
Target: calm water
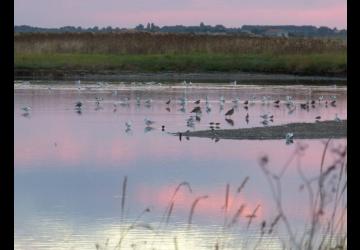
69	167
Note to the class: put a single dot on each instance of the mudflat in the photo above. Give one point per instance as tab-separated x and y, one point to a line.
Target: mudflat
317	130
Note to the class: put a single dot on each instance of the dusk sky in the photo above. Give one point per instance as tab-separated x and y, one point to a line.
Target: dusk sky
231	13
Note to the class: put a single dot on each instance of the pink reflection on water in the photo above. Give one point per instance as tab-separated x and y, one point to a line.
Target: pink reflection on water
213	206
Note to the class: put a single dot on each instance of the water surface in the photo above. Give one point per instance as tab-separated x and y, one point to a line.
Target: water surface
69	166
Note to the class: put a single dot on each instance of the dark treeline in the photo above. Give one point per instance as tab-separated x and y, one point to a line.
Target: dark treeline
245	30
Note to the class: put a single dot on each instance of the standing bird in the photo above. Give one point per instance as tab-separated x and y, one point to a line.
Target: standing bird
222	99
208	108
230	112
289	138
78	105
128	126
148	122
26	108
196	110
337	119
138	101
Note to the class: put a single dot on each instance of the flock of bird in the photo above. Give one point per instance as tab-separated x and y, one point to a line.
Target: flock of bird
196	112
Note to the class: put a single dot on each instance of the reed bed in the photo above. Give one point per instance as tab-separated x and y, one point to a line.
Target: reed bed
142	43
159	52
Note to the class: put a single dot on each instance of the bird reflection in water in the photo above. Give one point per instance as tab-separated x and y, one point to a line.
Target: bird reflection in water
230	121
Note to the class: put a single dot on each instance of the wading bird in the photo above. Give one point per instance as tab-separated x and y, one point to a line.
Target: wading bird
78	105
289	138
337	119
230	112
128	125
196	110
26	108
148	122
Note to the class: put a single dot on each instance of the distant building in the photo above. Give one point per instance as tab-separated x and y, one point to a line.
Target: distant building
276	33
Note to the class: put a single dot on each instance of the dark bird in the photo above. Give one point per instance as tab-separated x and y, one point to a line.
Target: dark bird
246	102
318	117
217	124
304	105
211	123
78	105
196	110
332	103
230	121
247	116
277	102
180	135
162	128
246	107
312	102
197	102
197	118
168	102
230	112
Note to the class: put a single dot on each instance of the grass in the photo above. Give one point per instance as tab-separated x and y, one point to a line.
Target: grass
153	52
329	63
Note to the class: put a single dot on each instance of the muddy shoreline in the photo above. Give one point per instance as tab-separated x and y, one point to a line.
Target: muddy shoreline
219	77
318	130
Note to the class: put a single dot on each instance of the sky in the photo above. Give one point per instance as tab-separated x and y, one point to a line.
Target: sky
129	13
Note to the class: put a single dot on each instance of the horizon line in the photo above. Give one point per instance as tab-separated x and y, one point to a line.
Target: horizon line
85	27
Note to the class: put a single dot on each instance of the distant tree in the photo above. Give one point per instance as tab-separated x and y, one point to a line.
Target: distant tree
140	27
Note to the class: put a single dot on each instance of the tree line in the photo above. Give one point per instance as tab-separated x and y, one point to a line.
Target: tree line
246	30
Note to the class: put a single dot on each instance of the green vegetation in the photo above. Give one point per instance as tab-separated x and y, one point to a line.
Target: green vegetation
311	64
144	52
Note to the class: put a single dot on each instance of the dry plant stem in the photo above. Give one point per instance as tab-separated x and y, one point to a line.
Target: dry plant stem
279	206
123	197
243	184
226	205
170	207
307	185
320	195
337	196
132	226
193	209
176	243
